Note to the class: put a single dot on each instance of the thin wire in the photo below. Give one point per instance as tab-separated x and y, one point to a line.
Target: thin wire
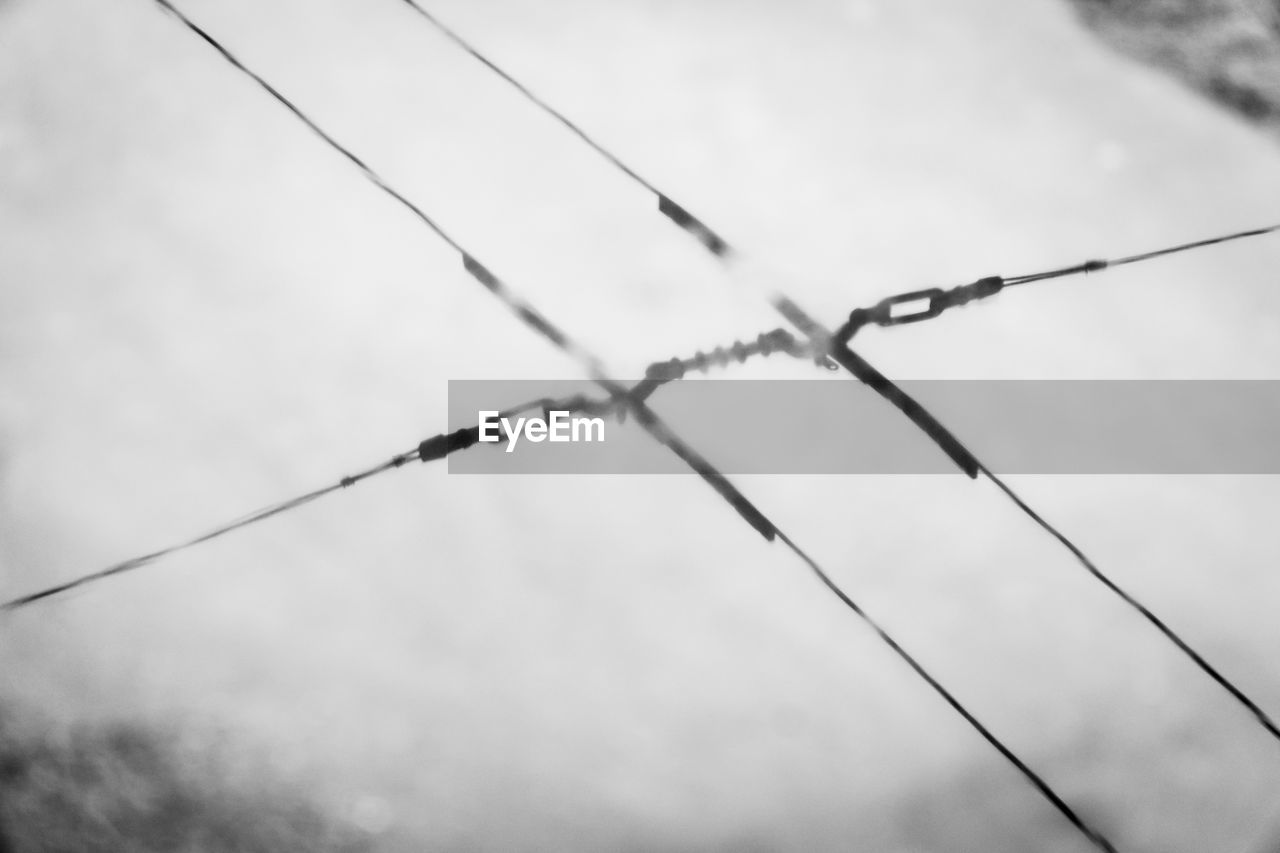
524	311
1099	840
222	530
867	374
1103	264
819	336
1208	669
655	427
840	351
533	98
703	233
431	449
860	317
397	461
315	128
1099	265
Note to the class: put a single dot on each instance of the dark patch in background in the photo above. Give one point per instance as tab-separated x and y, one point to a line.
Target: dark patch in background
1228	50
123	786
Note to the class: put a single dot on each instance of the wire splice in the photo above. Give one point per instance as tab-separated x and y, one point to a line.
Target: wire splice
440	446
700	231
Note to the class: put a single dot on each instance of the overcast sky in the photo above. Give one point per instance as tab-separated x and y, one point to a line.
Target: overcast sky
204	310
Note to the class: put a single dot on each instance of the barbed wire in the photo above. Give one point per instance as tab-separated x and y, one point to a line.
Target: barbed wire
938	301
522	310
818	335
443	444
659	431
882	314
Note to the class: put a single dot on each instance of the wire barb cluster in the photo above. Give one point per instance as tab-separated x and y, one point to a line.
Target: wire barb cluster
765	344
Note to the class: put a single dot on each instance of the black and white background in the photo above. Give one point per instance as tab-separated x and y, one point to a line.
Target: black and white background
203	310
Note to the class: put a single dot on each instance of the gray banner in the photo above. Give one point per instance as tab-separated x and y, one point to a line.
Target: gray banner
841	427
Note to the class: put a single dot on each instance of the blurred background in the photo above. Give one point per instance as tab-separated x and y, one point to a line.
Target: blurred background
204	310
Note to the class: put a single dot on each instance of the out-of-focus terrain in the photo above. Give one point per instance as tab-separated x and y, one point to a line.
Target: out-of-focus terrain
204	310
1229	50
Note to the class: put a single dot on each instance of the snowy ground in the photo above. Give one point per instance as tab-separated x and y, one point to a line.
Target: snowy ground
203	310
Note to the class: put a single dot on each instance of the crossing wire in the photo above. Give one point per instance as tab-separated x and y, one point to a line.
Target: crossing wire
525	312
718	246
856	365
940	300
439	446
650	422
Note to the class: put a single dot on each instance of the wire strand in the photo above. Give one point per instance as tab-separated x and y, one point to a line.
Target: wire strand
840	351
1098	839
533	98
656	428
1194	656
434	448
243	521
858	367
1103	264
523	311
668	207
818	335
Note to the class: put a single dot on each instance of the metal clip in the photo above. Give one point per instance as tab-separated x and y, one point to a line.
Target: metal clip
939	300
882	313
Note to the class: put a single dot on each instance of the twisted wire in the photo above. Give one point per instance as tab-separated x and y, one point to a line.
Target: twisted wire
429	449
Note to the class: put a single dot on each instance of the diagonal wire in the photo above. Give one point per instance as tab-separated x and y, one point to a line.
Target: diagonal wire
1100	841
717	245
1159	624
222	530
663	434
533	98
939	300
525	312
1104	264
861	369
438	447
